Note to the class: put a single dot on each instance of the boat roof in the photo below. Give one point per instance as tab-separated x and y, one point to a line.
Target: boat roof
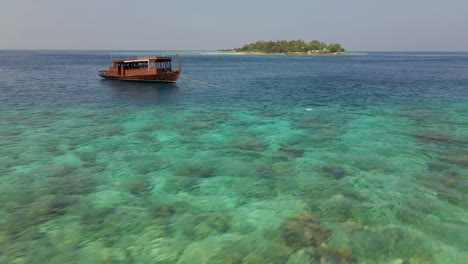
143	59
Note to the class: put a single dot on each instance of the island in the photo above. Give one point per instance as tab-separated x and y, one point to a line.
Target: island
288	47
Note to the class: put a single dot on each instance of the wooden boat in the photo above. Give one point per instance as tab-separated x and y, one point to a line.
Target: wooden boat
150	69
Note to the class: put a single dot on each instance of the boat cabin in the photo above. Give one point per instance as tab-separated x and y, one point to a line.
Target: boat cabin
139	66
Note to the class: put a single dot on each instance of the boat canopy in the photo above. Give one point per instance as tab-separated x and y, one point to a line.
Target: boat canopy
143	59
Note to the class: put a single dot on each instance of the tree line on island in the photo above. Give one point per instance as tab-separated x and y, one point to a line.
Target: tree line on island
292	46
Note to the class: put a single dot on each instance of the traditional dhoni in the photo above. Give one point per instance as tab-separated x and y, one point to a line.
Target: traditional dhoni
149	69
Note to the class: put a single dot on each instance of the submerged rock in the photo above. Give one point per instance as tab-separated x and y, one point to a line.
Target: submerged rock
201	251
452	180
198	125
399	261
39	211
179	183
333	171
419	204
437	166
151	248
456	198
220	222
161	211
138	186
339	207
152	127
233	259
48	207
425	116
304	230
291	152
72	184
144	166
436	137
197	171
303	256
329	255
352	225
61	170
202	225
87	156
447	185
251	145
95	217
460	160
235	250
270	171
378	245
356	195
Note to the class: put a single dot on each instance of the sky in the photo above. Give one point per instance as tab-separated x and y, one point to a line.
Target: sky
358	25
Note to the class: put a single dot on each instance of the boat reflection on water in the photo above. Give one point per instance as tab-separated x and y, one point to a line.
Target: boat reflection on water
142	92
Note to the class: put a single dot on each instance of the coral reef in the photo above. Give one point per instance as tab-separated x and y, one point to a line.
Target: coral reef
448	185
138	186
308	236
197	171
339	208
202	225
460	160
68	180
434	137
333	171
304	230
271	171
251	145
163	211
389	243
148	190
145	165
329	255
291	152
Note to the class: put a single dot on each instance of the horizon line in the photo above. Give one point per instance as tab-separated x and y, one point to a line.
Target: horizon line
65	49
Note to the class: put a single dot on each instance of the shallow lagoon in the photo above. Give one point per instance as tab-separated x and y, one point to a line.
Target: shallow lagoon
243	171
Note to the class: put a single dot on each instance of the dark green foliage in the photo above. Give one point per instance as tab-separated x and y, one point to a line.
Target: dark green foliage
284	46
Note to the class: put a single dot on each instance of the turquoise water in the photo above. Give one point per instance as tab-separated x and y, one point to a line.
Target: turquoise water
366	163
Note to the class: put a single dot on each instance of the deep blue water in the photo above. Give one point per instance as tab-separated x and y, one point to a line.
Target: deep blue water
64	77
359	158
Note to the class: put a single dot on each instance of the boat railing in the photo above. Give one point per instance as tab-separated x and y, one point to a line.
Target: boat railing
164	58
103	72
